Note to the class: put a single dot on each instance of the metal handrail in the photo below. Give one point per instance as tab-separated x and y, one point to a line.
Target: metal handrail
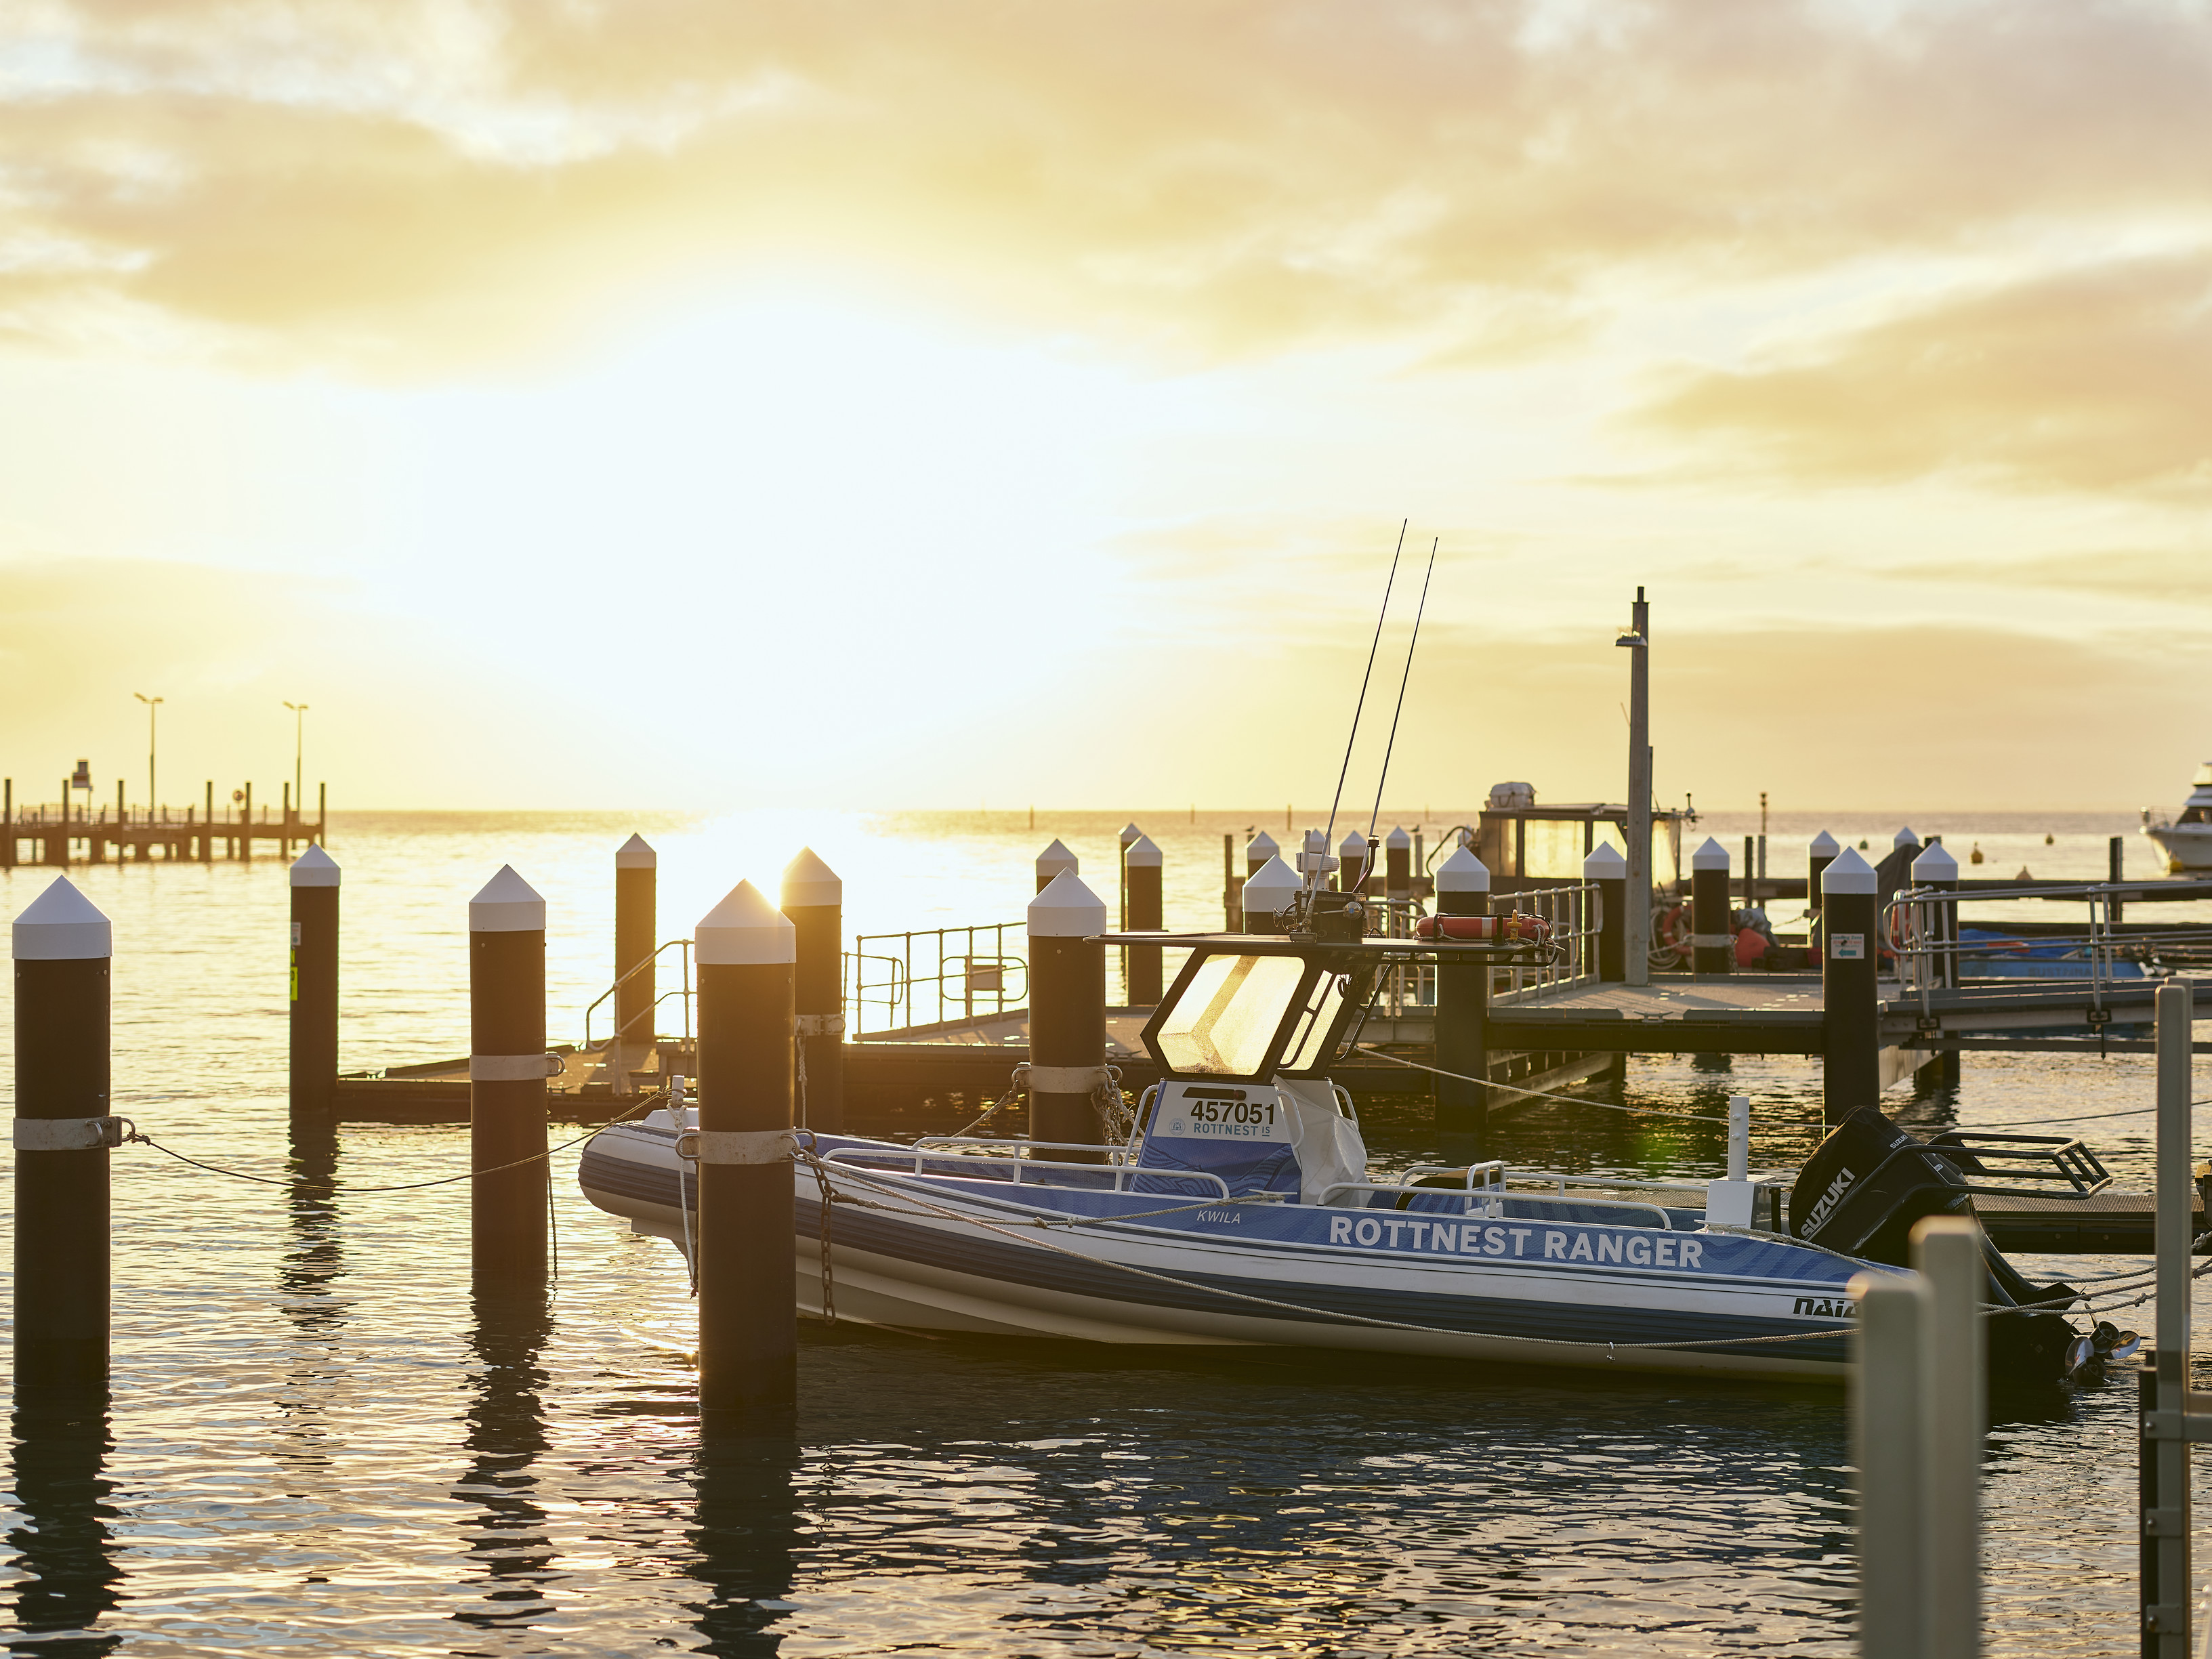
1120	1172
942	963
1574	917
683	991
1018	1144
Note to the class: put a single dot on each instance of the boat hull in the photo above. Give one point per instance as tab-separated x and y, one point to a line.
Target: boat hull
2184	846
942	1253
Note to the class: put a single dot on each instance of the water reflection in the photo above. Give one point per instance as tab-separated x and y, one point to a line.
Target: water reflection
306	1273
747	1532
62	1541
509	1537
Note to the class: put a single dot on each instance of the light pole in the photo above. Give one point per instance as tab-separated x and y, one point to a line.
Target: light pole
298	747
153	714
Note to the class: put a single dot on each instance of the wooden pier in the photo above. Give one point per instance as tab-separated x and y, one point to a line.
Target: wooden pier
65	833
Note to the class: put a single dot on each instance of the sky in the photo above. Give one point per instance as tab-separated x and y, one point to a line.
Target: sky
988	403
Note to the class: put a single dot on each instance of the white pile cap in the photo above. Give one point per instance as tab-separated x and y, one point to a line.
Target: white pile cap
1849	873
1462	872
1142	852
1605	863
1066	910
1269	889
1711	856
507	904
636	854
62	924
1056	861
1934	864
808	881
744	931
314	868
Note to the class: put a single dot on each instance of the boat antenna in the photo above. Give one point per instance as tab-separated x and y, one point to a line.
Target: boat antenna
1408	675
1344	770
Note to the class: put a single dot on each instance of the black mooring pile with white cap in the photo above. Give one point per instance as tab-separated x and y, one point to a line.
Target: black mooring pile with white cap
637	877
1463	1016
507	1068
1850	1004
1146	913
747	1256
1067	1014
814	900
314	988
63	1130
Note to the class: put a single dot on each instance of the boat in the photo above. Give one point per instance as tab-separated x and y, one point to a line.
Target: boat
2186	842
1242	1211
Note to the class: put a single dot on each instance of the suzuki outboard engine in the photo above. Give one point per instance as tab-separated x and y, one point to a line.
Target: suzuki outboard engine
1867	1184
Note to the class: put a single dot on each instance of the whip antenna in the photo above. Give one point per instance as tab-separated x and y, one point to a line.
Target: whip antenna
1408	675
1345	768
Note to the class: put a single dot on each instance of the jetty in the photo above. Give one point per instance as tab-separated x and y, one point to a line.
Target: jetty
64	831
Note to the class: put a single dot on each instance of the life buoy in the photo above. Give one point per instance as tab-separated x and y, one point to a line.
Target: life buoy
1670	934
1516	927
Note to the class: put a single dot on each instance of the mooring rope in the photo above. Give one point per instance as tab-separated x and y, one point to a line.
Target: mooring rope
331	1184
1538	1094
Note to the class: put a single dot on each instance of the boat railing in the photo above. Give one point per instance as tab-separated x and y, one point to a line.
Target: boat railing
869	1157
1016	1144
1573	916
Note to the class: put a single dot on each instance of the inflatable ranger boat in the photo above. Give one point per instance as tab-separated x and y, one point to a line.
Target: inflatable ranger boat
1242	1211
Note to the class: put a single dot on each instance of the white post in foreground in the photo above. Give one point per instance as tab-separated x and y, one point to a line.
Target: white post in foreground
1916	1428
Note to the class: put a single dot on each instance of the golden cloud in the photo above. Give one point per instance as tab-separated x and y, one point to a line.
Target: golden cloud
2097	379
364	182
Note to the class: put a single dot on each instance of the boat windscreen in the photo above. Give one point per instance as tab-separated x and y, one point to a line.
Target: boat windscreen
1228	1014
1316	1020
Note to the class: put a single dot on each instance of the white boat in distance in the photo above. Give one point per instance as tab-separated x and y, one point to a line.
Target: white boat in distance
1241	1211
2186	841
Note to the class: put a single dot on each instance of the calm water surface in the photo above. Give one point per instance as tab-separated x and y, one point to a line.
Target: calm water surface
317	1446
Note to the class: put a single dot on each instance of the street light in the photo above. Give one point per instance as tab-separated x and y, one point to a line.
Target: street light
153	705
298	746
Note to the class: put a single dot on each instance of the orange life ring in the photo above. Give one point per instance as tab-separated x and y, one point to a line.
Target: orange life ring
1673	933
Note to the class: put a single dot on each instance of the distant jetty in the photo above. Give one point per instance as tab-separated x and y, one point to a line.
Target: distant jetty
65	833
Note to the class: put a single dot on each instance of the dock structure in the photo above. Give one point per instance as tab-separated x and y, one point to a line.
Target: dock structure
66	832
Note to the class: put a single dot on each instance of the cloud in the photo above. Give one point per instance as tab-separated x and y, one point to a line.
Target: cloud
2095	378
404	182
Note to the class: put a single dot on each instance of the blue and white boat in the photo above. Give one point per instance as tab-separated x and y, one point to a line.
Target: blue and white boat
1241	1211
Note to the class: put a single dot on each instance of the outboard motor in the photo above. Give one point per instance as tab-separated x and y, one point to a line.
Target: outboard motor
1869	1182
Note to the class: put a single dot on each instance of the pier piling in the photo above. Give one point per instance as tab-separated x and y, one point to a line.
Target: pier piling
1851	1065
63	1130
1638	641
1351	861
1257	851
1819	856
1462	1017
1606	870
315	1002
1937	869
507	1068
2115	857
1398	864
1067	1014
637	919
1146	914
1267	894
813	898
748	1273
1711	950
1232	916
2165	1585
1052	862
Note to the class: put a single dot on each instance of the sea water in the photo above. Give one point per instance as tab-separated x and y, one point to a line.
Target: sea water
317	1447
